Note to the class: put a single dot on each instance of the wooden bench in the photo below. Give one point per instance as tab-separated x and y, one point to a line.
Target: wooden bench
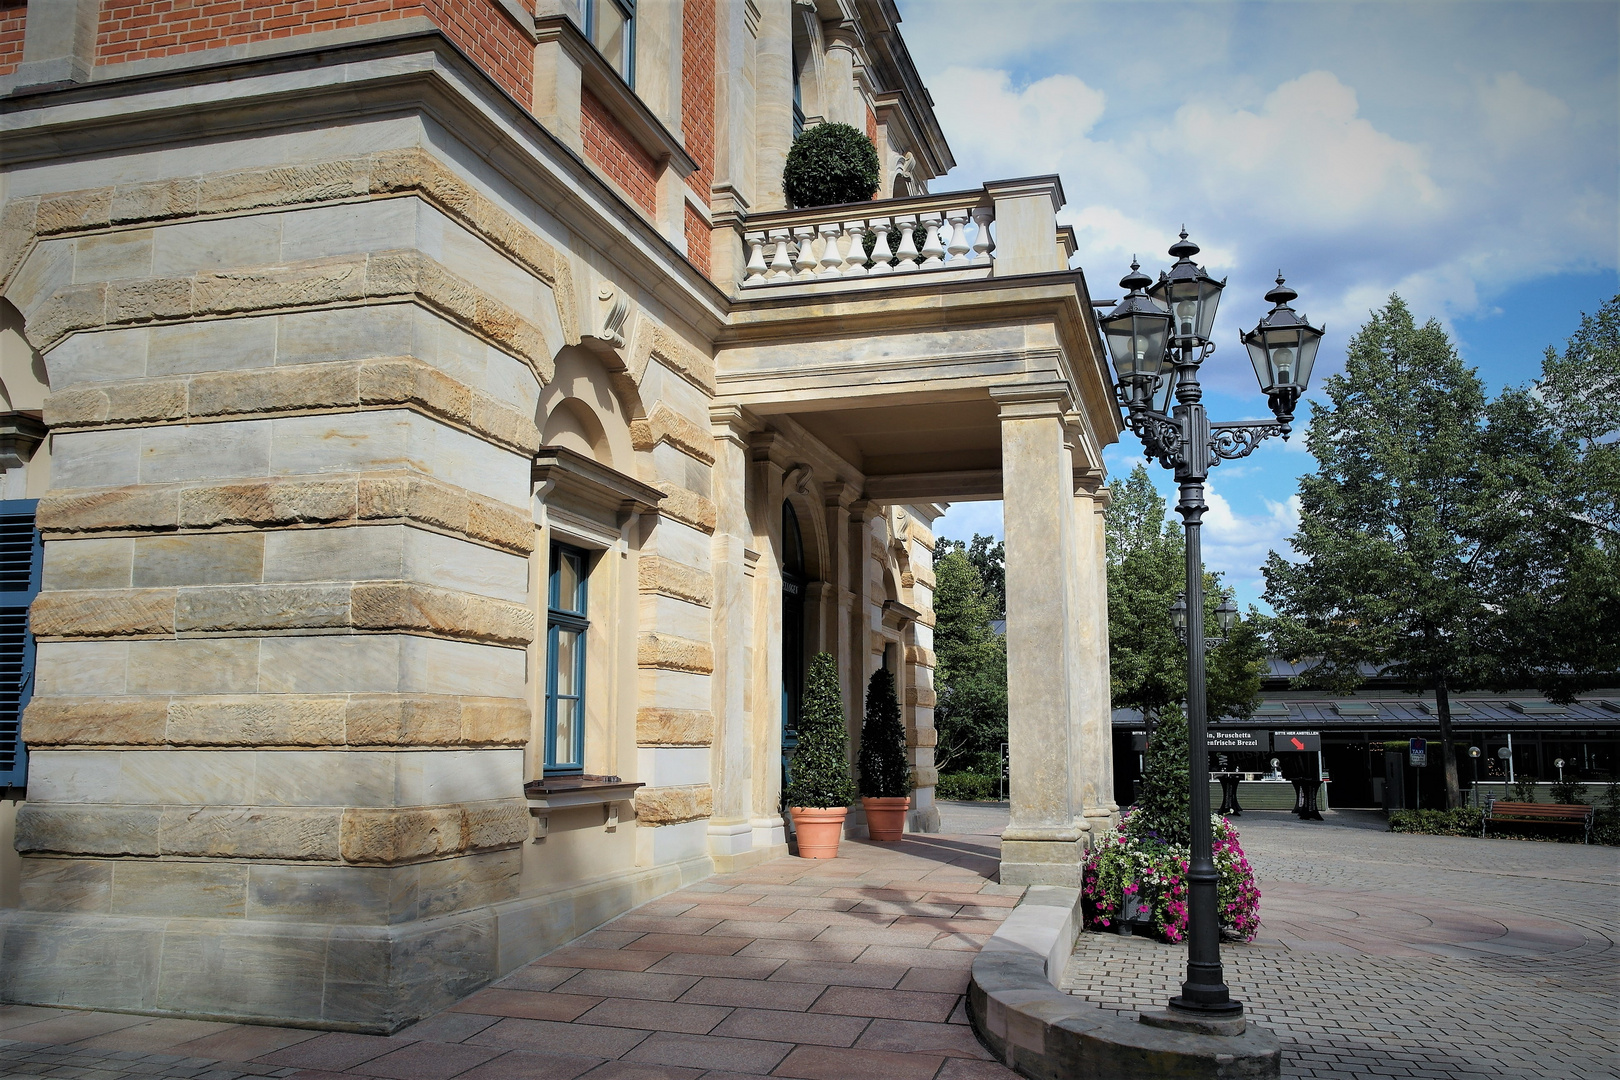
1527	813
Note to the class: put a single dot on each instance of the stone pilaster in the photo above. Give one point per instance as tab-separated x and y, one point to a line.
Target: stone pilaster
1043	844
1095	758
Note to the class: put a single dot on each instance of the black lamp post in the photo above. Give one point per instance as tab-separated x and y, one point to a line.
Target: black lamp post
1171	319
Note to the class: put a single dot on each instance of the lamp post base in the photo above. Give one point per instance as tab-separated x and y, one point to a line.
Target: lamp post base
1200	1022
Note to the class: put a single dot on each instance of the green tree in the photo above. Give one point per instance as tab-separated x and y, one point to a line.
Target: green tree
820	766
971	667
1146	572
885	774
989	557
1431	530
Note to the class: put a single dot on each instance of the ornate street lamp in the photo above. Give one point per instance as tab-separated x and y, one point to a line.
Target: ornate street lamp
1172	322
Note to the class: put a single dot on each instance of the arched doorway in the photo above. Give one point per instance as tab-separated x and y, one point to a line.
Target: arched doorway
793	583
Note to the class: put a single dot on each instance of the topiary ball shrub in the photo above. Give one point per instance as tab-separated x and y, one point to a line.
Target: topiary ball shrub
830	164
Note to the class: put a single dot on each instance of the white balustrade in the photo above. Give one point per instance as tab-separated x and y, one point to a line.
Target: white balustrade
957	238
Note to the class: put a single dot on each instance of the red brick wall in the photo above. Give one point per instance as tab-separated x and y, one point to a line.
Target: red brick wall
697	116
137	29
13	13
618	154
871	126
697	239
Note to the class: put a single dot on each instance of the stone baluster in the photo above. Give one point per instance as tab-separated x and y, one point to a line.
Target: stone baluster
906	253
756	259
983	244
781	262
855	251
804	263
830	256
880	250
958	248
933	253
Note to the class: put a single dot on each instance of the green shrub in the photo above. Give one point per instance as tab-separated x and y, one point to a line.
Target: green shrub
1524	788
884	771
830	164
1464	821
1568	792
968	787
820	766
1163	809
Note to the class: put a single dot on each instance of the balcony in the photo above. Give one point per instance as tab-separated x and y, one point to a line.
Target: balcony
1005	227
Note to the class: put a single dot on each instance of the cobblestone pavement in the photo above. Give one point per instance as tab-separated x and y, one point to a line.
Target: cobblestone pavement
1385	955
846	969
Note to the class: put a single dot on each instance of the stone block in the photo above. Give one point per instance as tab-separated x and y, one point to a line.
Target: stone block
459	776
495	721
344	895
673	805
88	564
440	666
496	825
292	834
319	232
81	668
142	299
74	210
207	559
193	666
687	507
210	890
187	247
668	578
67	310
663	651
67	885
198	778
424	609
103	613
109	509
211	345
113	255
88	830
154	200
400	719
305	284
664	425
256	720
384	836
281	389
205	451
329	664
226	608
468	881
114	963
75	777
95	459
267	503
243	971
350	333
674	727
436	559
323	777
98	356
403	379
61	721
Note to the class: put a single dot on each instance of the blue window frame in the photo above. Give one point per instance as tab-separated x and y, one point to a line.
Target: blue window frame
611	27
566	626
20	558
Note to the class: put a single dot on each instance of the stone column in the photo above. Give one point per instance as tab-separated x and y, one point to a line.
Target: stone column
1095	745
732	763
837	497
773	112
840	102
765	503
1043	843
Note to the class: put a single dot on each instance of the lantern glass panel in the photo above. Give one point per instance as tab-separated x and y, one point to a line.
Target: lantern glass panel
1310	339
1209	298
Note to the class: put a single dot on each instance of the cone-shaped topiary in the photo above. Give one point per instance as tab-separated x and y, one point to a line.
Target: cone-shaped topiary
1164	807
884	772
820	765
830	164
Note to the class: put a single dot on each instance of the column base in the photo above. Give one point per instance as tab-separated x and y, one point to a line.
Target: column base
1042	862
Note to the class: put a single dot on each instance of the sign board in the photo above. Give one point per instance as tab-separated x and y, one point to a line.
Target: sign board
1216	739
1417	751
1296	742
1139	741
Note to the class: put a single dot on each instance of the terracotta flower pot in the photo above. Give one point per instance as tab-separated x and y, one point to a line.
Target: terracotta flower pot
886	818
818	829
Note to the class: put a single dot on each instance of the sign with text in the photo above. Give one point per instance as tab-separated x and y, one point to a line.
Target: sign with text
1297	741
1139	741
1217	739
1418	752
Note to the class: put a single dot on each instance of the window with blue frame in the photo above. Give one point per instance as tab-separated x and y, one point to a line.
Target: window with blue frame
20	558
611	27
566	625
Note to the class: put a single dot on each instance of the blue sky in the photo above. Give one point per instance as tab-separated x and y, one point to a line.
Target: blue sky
1465	155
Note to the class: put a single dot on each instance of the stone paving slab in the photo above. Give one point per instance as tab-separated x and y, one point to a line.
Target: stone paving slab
846	969
1383	955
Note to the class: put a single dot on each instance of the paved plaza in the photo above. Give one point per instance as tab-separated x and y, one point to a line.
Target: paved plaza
1384	955
1379	955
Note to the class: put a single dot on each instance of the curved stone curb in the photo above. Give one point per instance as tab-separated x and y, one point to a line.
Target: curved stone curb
1034	1027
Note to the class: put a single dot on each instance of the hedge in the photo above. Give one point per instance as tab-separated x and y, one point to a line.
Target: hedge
968	787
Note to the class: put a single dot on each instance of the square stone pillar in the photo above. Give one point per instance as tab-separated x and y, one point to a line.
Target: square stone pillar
733	559
765	510
1043	843
1096	743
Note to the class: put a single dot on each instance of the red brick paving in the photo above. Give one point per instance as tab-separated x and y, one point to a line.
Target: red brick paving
820	970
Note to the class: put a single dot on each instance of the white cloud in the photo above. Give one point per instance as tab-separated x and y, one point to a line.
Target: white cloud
1236	545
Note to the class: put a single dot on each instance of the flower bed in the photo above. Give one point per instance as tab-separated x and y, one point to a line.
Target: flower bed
1136	862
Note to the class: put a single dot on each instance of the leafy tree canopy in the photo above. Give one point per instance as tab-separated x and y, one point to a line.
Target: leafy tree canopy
971	665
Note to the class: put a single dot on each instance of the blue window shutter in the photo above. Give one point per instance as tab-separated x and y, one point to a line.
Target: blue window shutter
20	560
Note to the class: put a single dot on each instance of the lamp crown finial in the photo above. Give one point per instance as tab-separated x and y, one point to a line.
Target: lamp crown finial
1184	248
1282	295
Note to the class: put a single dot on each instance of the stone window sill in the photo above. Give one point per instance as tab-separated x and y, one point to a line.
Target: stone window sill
554	793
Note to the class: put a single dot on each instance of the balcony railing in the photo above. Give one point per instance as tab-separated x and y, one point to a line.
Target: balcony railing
919	235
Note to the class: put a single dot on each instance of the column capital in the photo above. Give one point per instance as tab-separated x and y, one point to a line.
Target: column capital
733	424
1032	400
1088	481
840	493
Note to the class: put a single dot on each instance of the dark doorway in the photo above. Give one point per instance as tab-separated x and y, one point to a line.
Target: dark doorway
792	635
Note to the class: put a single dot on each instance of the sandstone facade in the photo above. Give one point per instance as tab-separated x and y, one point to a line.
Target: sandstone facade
314	411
